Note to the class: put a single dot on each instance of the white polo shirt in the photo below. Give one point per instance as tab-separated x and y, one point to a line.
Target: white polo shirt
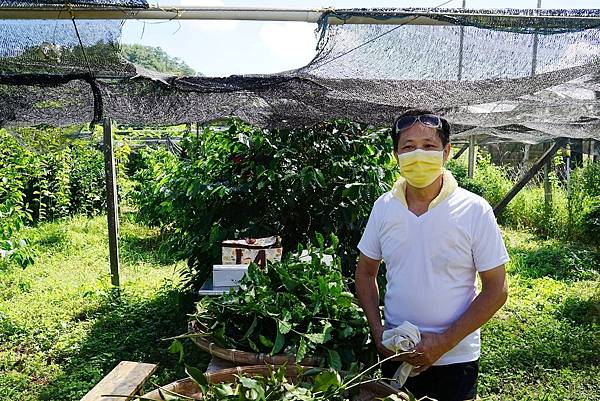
431	261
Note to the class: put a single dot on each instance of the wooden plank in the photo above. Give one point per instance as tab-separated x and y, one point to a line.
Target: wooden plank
127	378
112	202
548	154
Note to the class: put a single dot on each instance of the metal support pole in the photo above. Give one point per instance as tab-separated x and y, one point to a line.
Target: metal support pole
568	164
535	46
593	150
460	46
112	202
547	185
548	154
471	156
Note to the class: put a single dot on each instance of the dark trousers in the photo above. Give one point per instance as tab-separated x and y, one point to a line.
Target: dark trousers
456	382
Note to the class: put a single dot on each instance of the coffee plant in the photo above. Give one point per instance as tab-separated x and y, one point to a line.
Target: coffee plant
45	176
238	181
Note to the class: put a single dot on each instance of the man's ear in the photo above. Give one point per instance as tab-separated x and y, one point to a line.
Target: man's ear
447	150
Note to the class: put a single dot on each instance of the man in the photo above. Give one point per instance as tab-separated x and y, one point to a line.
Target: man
434	238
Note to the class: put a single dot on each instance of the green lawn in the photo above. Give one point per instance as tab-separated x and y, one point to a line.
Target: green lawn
62	327
544	344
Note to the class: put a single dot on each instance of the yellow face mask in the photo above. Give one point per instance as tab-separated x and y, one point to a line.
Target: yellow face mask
420	167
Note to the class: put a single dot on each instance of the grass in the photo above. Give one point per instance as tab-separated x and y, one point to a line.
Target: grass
544	344
62	327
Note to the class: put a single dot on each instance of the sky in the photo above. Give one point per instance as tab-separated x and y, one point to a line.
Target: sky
223	48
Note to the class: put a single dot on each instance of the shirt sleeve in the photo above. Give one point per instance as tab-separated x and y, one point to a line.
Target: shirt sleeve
488	249
369	243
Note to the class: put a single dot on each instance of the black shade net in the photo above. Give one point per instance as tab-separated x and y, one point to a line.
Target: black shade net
519	75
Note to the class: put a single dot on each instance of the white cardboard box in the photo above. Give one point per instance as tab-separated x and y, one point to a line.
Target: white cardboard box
228	275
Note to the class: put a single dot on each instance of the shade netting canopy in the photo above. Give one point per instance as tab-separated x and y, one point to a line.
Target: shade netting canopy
519	75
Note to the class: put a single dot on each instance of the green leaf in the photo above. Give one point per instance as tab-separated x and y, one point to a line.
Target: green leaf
302	349
196	375
284	327
327	380
219	335
253	346
279	342
345	299
346	332
250	329
289	283
177	347
312	372
334	241
327	329
320	178
248	382
166	396
254	389
316	338
320	241
265	341
223	390
334	359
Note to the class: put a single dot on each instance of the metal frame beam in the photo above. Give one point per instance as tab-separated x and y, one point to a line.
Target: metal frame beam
548	154
460	151
407	17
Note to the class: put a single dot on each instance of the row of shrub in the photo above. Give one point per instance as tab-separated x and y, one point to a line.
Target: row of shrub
46	176
573	214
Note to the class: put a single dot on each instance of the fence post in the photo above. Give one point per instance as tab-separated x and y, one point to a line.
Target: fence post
547	185
471	156
112	202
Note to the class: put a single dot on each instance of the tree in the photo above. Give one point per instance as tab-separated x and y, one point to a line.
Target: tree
155	58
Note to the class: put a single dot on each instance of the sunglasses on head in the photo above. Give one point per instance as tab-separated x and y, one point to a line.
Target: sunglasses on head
428	120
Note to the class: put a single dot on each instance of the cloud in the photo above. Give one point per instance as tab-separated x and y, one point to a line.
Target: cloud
293	42
209	25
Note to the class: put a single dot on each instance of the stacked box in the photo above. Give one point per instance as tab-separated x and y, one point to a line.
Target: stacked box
257	250
238	254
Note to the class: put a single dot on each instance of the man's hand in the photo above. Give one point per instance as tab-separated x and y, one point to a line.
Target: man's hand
384	351
381	349
430	349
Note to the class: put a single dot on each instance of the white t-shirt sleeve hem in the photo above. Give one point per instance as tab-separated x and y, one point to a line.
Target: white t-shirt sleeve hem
369	243
490	265
368	254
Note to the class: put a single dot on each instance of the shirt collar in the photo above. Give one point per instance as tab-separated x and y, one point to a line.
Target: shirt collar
449	184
